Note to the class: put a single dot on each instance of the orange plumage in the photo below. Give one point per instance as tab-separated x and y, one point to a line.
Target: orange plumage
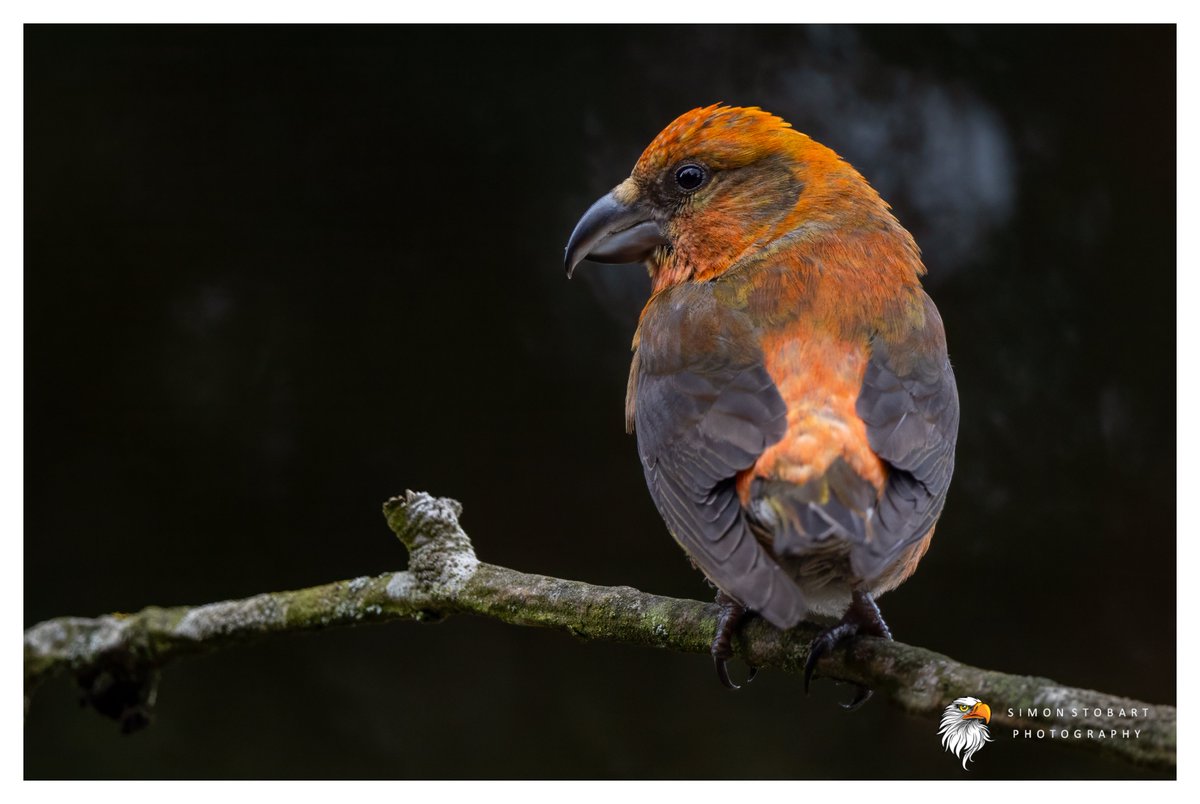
795	409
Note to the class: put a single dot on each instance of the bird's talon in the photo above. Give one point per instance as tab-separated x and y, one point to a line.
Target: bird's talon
862	617
723	674
731	616
861	696
822	645
810	665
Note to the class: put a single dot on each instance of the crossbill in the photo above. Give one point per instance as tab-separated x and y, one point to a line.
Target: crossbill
795	408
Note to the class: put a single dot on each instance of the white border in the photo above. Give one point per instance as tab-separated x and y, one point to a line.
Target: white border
11	370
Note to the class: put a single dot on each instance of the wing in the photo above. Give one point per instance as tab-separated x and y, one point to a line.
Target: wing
705	409
909	402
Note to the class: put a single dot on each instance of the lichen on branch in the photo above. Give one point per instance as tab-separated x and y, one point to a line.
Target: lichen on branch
117	658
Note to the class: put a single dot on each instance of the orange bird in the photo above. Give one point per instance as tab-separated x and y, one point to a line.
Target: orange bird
795	409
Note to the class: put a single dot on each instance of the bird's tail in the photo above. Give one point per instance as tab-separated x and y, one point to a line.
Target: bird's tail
833	512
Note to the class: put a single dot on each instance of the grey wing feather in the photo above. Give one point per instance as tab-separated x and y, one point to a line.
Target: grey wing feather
909	402
696	432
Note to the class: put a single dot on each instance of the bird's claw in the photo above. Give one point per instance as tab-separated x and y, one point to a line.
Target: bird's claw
822	645
862	617
723	673
732	613
825	642
861	696
722	665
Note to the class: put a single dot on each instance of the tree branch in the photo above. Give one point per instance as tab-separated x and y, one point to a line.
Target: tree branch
116	658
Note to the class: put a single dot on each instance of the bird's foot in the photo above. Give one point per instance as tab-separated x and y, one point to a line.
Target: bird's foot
731	616
862	617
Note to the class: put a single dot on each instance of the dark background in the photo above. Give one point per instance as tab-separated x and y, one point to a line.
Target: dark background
275	275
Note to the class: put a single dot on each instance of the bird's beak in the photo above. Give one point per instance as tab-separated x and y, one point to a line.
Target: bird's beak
614	232
979	711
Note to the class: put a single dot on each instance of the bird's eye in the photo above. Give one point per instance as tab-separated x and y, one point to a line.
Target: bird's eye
689	177
963	707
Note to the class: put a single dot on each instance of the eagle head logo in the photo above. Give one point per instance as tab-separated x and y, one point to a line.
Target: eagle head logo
964	727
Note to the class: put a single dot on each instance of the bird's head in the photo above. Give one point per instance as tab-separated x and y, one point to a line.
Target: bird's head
718	185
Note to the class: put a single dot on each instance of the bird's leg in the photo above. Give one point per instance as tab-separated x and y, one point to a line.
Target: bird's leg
862	617
731	616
